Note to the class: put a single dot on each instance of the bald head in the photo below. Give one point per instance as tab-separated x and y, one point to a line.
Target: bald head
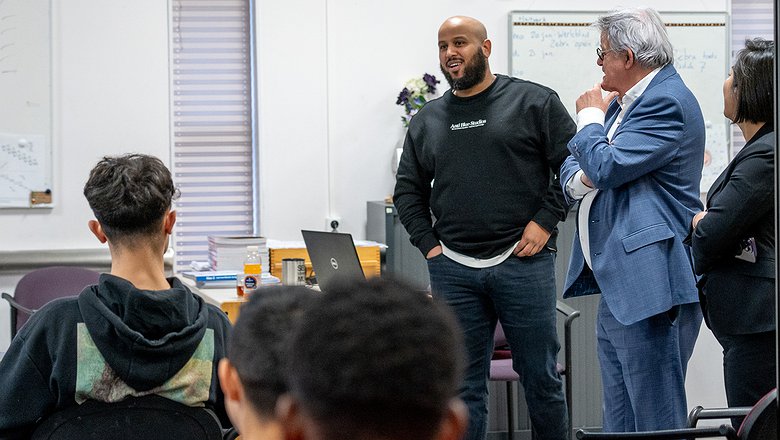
463	55
466	25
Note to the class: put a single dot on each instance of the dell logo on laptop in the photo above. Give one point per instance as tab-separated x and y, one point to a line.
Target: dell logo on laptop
334	264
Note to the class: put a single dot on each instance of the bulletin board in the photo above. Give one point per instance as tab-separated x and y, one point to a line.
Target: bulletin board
558	50
26	110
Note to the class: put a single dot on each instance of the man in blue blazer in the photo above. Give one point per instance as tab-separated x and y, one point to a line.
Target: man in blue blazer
635	166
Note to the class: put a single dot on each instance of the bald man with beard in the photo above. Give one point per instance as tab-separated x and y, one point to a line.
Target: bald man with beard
484	160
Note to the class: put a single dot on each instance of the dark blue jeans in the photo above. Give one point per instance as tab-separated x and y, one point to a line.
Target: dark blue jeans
520	292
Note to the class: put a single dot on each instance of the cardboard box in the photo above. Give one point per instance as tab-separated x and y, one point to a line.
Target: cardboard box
368	256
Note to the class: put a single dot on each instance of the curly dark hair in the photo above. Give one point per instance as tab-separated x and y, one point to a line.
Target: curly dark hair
257	344
376	359
129	195
753	81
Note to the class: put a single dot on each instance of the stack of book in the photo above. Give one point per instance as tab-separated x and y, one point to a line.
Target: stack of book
229	253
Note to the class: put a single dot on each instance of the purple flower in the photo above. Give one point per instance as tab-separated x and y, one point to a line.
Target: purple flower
431	82
403	97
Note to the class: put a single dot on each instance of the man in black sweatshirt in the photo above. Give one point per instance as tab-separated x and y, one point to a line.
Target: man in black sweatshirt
132	334
484	160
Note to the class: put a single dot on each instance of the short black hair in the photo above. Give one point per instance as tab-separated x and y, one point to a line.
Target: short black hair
256	347
753	79
129	195
376	358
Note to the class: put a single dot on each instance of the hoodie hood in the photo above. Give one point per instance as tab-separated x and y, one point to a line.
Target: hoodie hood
145	336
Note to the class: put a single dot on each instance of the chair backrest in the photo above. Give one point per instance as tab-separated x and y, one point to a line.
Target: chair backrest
499	338
40	286
761	422
147	418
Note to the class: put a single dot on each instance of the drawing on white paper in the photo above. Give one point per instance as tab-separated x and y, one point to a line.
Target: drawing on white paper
23	169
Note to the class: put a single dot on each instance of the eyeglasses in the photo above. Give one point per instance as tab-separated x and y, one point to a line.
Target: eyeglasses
601	52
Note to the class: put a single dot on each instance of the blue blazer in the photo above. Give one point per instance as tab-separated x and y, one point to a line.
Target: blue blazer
648	177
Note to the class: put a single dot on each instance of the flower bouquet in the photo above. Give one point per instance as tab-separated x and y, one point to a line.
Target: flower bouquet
415	94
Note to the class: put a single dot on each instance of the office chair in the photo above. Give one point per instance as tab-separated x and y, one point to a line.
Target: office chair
501	366
501	370
148	418
760	423
43	285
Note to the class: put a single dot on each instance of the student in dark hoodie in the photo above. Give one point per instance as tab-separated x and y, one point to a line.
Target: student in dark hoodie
135	332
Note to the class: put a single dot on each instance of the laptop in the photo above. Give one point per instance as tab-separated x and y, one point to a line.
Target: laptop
333	257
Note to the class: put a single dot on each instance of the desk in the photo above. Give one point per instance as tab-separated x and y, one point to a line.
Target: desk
226	299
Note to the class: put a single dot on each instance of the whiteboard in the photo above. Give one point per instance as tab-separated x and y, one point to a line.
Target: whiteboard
558	50
25	113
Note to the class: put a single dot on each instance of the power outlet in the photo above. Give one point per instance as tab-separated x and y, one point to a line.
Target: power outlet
332	223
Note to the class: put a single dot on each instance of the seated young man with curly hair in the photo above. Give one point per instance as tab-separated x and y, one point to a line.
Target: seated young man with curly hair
134	333
374	360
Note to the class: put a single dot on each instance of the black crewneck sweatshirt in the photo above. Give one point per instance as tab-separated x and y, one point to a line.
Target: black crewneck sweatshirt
485	166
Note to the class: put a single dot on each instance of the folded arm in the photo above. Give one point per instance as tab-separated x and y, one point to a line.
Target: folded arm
733	212
647	140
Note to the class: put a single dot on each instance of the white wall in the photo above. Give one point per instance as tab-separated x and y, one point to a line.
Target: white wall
329	74
293	123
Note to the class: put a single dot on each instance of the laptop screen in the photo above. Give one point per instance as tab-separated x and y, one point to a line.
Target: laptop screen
333	257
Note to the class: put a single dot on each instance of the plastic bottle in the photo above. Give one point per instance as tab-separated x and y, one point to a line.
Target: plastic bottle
252	271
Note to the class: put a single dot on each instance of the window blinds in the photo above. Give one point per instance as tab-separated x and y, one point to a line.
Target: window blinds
749	19
211	104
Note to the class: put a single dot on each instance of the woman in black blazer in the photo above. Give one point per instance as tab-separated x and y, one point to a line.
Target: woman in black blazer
733	239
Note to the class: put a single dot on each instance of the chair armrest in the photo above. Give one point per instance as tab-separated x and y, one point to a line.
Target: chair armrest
700	413
667	434
564	308
16	305
567	311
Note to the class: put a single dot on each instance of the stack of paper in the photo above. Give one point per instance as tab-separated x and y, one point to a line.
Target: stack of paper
212	278
221	279
229	253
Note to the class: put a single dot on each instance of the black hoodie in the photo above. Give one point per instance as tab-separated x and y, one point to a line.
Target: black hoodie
112	341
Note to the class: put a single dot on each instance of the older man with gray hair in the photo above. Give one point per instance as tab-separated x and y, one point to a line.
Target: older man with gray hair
635	166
